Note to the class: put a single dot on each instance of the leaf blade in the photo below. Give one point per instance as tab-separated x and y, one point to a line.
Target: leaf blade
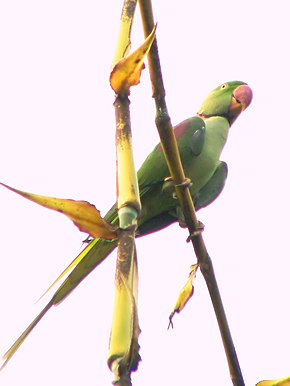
184	295
127	71
83	214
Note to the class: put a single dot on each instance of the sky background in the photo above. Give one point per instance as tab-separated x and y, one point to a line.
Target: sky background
57	139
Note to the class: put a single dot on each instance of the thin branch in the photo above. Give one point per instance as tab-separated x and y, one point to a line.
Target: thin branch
170	148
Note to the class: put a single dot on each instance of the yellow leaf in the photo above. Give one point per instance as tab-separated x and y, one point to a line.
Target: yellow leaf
127	71
185	294
277	382
83	214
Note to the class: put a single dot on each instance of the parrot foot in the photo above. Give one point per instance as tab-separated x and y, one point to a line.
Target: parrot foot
196	233
168	183
185	184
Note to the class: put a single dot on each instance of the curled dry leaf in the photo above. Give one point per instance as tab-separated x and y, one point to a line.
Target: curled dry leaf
83	214
185	294
127	71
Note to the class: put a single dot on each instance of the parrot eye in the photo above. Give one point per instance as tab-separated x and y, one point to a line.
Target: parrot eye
223	86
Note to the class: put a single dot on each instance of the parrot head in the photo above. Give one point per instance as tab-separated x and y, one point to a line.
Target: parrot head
227	100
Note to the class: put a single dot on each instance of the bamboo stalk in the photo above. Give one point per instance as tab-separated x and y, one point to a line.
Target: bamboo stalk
123	355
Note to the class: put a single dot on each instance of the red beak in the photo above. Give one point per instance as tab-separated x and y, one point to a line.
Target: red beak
243	95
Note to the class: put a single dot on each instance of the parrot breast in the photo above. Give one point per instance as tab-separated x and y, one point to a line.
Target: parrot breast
203	167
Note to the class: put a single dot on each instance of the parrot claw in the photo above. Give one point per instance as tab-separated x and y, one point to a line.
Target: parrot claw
185	184
196	233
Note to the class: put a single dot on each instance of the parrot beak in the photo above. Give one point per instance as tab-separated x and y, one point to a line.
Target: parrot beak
241	96
241	99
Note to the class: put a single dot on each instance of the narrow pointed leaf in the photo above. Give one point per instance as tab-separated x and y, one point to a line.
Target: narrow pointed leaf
185	294
59	295
83	214
7	356
70	267
127	71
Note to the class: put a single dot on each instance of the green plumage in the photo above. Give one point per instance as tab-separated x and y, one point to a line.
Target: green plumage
201	140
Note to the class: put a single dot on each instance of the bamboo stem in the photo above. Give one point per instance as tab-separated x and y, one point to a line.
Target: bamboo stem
169	144
123	355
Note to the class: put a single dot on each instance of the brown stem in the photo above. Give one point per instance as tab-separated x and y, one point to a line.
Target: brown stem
168	141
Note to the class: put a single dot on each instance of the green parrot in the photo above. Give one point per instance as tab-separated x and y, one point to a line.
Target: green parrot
201	140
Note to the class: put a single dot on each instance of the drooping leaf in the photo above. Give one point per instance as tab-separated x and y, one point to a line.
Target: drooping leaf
185	294
58	295
127	71
71	266
277	382
83	214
